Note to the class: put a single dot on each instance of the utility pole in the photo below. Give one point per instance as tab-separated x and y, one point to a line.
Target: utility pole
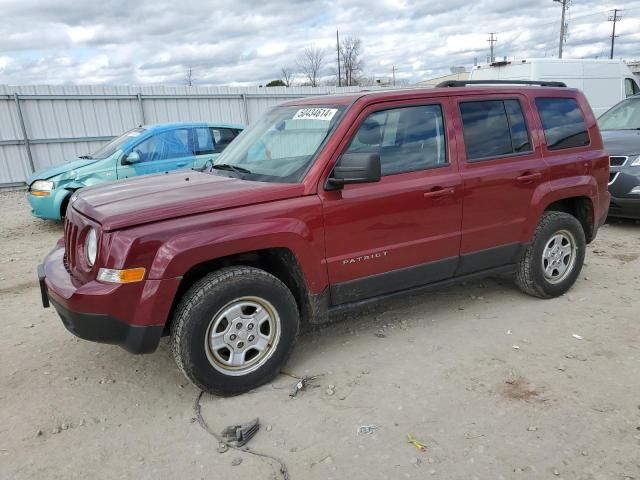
393	70
563	25
615	19
492	40
338	50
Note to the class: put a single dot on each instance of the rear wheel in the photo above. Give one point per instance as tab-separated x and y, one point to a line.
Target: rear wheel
234	329
552	262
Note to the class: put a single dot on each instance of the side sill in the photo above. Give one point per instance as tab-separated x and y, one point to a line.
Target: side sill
337	309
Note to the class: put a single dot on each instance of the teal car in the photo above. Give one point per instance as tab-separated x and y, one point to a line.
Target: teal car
141	151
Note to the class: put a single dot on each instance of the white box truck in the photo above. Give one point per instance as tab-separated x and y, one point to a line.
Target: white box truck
604	82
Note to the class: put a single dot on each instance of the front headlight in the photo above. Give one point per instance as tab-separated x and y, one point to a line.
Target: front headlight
91	247
635	162
41	188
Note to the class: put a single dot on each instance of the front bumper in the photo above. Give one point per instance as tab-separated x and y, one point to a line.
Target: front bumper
48	207
624	204
132	316
625	208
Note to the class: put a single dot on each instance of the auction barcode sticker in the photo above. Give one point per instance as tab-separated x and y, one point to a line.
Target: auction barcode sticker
325	114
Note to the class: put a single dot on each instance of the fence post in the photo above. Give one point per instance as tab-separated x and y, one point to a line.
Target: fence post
142	119
245	108
25	137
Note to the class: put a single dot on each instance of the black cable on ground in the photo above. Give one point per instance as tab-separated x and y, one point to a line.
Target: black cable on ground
198	414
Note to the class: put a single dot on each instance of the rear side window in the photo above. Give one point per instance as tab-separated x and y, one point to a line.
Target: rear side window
563	123
222	138
494	128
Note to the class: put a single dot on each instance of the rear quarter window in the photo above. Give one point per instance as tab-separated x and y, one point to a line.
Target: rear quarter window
563	123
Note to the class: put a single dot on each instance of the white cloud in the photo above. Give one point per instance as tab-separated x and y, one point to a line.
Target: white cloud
247	42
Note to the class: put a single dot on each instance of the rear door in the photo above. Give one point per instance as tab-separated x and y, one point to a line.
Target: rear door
403	231
501	167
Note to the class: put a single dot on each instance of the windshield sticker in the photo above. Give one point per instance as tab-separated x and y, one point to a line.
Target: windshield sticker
325	114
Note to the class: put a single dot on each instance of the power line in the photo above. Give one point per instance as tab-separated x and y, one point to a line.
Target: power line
492	40
615	19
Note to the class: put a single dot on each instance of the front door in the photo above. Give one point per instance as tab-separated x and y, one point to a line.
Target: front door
162	152
403	231
502	169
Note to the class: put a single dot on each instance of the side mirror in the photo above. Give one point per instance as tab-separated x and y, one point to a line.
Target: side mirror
355	168
131	158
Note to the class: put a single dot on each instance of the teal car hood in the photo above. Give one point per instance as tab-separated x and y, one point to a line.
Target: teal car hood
60	169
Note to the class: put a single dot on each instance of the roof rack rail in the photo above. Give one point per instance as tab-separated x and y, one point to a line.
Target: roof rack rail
463	83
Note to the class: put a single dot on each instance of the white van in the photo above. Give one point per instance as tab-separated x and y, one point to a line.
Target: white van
604	82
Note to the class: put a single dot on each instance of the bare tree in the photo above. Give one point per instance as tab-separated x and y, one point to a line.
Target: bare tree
188	77
310	63
286	75
352	64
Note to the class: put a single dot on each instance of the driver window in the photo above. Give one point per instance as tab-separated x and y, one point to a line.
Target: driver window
631	87
407	139
164	146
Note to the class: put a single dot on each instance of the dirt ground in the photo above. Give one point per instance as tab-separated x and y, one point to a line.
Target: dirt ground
496	384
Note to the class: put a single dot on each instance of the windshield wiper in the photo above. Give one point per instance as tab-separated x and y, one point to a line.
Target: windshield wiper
229	167
86	157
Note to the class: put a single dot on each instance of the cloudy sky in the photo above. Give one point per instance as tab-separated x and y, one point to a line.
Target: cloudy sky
245	42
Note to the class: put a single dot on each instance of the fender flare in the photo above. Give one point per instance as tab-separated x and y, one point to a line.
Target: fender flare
558	190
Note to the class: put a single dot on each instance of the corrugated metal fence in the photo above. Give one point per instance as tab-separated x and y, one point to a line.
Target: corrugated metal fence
46	125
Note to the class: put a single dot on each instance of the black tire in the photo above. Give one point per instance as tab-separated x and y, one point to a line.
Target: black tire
530	276
199	307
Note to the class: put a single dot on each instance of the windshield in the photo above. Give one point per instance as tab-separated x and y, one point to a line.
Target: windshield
280	146
624	116
116	144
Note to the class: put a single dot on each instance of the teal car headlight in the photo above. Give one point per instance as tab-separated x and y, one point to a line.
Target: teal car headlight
41	188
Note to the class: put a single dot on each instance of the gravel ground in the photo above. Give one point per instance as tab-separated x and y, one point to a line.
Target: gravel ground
496	384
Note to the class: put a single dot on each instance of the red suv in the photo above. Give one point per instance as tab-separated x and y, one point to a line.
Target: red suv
326	204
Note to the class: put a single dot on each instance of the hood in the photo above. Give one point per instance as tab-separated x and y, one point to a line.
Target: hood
160	197
621	142
59	169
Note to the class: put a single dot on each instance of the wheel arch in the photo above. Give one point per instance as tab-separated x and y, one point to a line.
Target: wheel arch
573	195
281	262
582	208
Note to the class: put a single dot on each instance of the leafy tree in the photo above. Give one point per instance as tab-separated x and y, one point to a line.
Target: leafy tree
276	83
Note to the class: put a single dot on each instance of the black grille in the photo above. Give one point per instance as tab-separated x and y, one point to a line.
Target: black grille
617	161
612	177
70	242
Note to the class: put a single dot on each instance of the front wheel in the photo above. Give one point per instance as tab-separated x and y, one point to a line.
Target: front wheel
234	329
552	262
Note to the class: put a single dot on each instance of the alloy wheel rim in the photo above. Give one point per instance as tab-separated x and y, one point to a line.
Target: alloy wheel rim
242	336
559	256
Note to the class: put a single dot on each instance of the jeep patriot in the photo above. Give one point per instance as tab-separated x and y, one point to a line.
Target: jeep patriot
326	204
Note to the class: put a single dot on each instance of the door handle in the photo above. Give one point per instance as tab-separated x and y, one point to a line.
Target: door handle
181	164
528	177
438	192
